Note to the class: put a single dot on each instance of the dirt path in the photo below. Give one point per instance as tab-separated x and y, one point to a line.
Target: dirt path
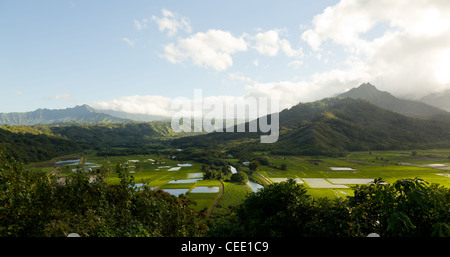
218	199
82	161
264	178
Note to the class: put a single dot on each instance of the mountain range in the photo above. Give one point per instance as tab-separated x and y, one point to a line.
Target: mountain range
78	114
366	91
440	100
363	118
385	100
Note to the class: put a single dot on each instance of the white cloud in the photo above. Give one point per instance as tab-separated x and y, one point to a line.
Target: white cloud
143	104
409	55
172	22
215	48
295	64
159	105
240	77
269	43
130	42
320	86
210	49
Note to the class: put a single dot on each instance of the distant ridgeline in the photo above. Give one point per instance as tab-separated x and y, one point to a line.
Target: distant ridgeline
78	114
361	119
385	100
42	142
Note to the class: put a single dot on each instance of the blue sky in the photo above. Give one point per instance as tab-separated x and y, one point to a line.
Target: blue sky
136	56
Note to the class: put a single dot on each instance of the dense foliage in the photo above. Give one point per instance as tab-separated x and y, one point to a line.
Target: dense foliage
38	204
42	142
331	126
408	208
30	145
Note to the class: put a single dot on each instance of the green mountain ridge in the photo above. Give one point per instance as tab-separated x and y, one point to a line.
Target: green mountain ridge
331	126
43	142
334	126
357	125
406	107
77	114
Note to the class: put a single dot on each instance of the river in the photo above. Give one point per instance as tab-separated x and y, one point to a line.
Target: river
254	186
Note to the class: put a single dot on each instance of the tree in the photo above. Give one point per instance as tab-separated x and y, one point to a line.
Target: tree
408	208
36	204
226	170
253	166
239	177
279	209
283	166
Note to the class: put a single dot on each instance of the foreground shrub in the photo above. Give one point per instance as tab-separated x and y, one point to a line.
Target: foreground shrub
38	204
408	208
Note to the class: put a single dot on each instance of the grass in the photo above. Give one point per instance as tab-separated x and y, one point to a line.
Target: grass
234	194
373	164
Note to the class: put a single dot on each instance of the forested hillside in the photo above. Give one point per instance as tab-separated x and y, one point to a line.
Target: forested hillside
333	126
42	142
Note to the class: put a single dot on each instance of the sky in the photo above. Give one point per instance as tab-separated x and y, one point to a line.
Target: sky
137	56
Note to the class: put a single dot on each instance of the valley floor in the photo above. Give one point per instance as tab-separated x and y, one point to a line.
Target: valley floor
322	176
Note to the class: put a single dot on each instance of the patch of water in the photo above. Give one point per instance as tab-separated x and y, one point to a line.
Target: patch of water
254	186
138	186
68	162
195	175
179	181
321	183
354	181
438	166
341	168
176	191
212	189
279	180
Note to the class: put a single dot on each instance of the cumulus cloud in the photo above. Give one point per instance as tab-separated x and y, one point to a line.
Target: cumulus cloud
320	86
409	56
151	104
212	49
143	104
172	22
238	76
269	43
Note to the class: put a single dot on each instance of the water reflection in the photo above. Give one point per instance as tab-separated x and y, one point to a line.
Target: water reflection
255	186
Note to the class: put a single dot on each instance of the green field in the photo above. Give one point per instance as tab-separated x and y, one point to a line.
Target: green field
154	171
375	164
